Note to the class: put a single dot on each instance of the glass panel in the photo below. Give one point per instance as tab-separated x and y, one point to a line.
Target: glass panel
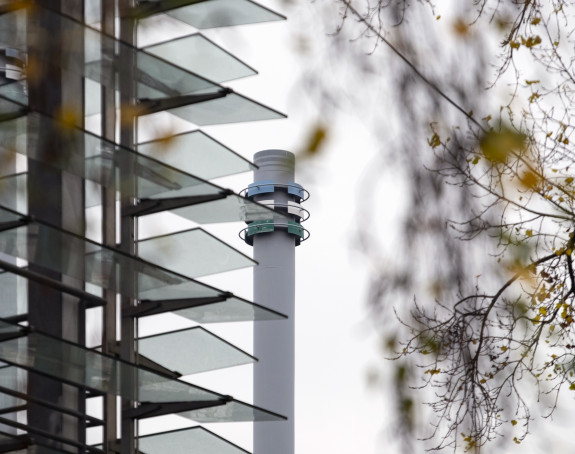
193	253
197	154
224	13
203	351
7	107
80	259
96	159
232	208
13	379
9	216
86	261
201	56
233	108
83	367
102	160
13	190
101	57
14	91
14	294
53	249
233	411
231	310
195	440
158	78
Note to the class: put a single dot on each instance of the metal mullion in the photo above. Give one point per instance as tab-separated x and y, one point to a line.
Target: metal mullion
108	129
128	192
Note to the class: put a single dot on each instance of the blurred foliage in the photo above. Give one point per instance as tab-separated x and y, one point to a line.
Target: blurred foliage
314	143
477	117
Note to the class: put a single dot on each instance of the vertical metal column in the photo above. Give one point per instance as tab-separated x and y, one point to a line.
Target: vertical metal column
108	129
128	192
55	197
274	287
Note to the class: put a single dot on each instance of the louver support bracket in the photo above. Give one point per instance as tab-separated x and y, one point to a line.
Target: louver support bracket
147	106
151	206
146	308
150	410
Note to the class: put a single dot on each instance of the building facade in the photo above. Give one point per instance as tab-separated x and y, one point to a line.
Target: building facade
76	181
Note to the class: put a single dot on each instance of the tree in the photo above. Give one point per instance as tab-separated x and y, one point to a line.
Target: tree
480	98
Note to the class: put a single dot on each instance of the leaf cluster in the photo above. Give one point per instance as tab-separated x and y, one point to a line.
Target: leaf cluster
484	93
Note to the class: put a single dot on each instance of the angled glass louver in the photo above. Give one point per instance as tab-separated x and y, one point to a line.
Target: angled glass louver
13	298
219	205
192	300
174	251
13	191
196	153
234	411
233	108
59	72
79	366
52	249
219	13
56	250
204	351
156	78
82	367
195	440
199	55
98	160
232	310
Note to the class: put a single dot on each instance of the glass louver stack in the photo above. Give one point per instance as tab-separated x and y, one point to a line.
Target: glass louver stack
65	64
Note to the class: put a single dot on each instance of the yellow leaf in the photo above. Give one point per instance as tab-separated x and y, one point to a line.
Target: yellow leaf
316	140
529	233
503	349
513	422
432	371
435	141
529	180
536	21
475	160
496	145
460	27
531	41
569	180
572	386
